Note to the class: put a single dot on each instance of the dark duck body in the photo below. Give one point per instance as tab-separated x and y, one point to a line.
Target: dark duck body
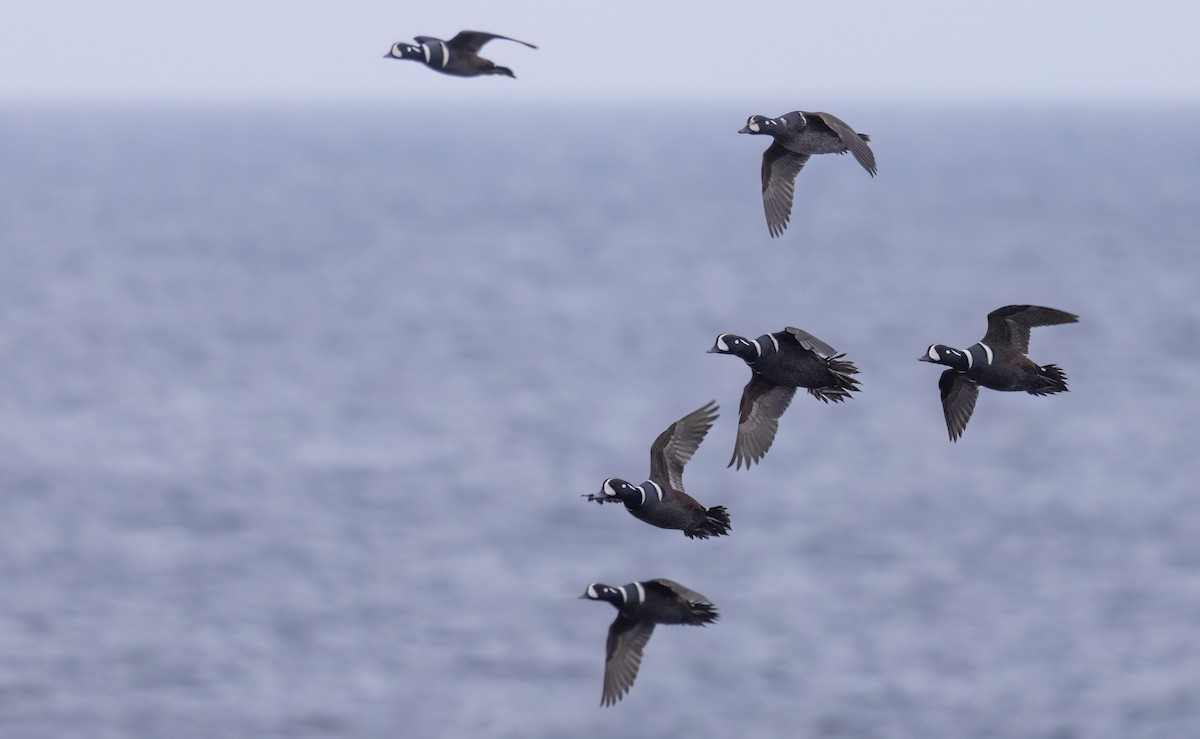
780	363
798	136
459	56
997	362
640	607
661	500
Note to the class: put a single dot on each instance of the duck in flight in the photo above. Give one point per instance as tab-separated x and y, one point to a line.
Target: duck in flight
459	56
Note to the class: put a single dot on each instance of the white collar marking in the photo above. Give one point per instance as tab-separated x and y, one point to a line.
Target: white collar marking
988	351
624	595
445	54
641	592
425	48
774	341
970	359
657	488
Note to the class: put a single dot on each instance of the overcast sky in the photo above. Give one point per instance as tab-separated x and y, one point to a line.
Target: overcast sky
607	50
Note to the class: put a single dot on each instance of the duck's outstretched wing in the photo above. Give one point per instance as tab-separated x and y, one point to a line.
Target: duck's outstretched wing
473	41
762	404
855	142
779	169
675	446
1011	324
959	394
626	640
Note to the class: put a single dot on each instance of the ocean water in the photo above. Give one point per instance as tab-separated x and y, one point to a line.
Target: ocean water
297	406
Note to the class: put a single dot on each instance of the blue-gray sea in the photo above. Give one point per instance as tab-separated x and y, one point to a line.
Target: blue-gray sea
297	405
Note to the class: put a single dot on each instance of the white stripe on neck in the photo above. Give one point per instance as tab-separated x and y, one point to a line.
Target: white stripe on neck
988	351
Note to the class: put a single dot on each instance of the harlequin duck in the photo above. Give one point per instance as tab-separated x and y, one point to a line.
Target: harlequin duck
780	363
661	500
641	605
459	56
997	362
798	135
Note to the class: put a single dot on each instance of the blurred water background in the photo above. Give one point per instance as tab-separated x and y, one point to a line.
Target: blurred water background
297	405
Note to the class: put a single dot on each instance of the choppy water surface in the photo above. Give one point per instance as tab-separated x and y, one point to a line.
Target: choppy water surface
296	407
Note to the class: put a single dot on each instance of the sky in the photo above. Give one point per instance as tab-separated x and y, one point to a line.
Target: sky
879	50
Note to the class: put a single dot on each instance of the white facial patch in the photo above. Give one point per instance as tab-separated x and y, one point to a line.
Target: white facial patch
753	126
721	345
591	592
608	490
933	354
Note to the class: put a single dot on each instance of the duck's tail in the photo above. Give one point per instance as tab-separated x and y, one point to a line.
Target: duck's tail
842	385
716	523
1052	380
701	612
